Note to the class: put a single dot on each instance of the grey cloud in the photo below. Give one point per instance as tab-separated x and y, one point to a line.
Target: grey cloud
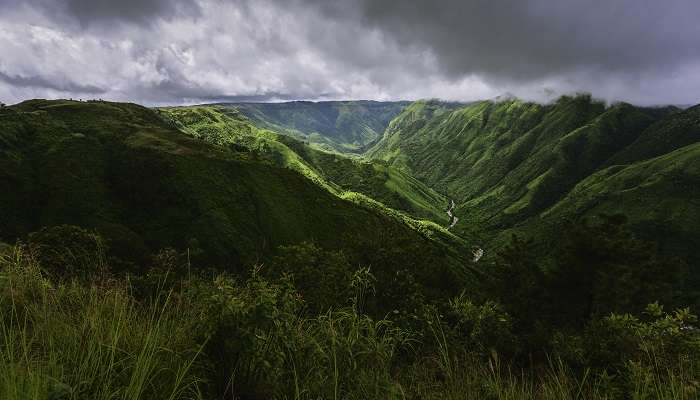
187	51
42	82
130	10
91	12
525	40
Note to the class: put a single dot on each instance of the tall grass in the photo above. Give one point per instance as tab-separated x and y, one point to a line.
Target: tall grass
344	355
88	341
449	372
92	339
476	379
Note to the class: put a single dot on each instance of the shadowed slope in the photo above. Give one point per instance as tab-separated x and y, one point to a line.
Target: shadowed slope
141	182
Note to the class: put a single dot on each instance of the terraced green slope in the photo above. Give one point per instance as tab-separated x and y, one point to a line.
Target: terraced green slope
345	126
526	166
335	172
507	161
122	169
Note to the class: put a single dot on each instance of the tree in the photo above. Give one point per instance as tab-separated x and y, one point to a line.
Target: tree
322	276
602	268
519	285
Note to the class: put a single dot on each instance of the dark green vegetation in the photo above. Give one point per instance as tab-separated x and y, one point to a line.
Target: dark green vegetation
144	185
516	164
205	253
305	326
339	125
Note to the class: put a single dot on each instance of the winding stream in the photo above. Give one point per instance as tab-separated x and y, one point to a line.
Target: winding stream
453	218
477	252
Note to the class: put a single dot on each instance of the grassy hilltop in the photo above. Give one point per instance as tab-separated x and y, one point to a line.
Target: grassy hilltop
336	172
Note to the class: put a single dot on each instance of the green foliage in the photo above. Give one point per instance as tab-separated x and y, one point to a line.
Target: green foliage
658	195
600	268
321	276
483	329
245	325
386	184
72	340
226	127
507	163
517	281
68	251
198	336
659	340
603	268
349	297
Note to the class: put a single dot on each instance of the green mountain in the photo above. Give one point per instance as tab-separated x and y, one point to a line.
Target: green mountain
241	262
210	176
144	184
660	195
335	172
516	164
345	126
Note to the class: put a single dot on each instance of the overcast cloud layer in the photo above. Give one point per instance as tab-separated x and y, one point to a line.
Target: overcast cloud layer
190	51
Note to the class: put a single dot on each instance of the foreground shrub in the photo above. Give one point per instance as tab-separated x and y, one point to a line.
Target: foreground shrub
481	329
663	339
66	251
260	344
203	336
70	340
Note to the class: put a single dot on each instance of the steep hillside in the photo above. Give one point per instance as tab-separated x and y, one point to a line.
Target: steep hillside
668	134
504	162
660	196
345	126
282	266
122	169
337	173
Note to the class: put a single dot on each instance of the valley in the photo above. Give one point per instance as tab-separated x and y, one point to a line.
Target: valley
529	220
453	218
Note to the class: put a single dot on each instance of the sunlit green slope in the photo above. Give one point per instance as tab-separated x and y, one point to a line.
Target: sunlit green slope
516	164
510	160
335	172
144	184
660	196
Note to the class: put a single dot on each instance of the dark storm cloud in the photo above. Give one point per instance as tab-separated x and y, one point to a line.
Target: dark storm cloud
88	12
187	51
523	40
130	10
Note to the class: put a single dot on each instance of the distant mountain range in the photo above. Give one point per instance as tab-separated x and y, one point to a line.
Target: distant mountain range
243	178
347	126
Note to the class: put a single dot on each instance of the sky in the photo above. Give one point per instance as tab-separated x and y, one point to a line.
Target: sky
159	52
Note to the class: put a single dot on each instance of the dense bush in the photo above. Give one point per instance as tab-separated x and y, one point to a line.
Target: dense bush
68	251
305	326
321	276
481	329
74	339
